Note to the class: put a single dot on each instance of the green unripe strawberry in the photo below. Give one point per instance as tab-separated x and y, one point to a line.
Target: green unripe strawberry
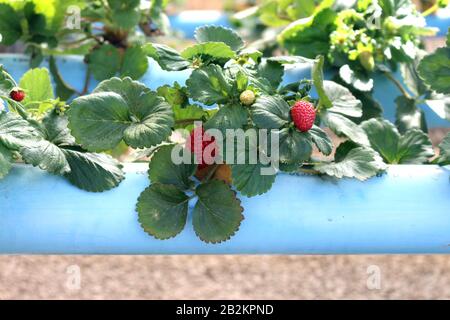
247	97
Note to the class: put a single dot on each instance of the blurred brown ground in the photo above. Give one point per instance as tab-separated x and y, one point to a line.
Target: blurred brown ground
224	277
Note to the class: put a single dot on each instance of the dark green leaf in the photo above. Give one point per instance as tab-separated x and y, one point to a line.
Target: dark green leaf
359	162
228	117
168	58
342	100
343	126
93	172
408	115
120	109
219	34
321	140
16	132
210	51
6	159
218	213
104	62
295	146
163	170
135	63
270	112
162	210
273	71
309	37
317	77
10	28
209	85
414	147
444	154
247	178
435	70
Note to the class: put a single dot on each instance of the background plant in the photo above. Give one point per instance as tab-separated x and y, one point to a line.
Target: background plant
358	42
107	32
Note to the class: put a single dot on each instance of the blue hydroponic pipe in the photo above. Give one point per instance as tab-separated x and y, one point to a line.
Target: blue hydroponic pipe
406	210
73	70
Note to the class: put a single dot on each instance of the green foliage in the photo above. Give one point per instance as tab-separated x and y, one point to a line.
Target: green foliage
120	110
435	70
414	147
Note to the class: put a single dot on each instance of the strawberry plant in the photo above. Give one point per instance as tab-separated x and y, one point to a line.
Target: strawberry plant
360	40
233	89
108	33
35	131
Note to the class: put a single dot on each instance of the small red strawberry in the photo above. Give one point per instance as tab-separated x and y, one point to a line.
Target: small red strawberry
17	95
304	115
197	142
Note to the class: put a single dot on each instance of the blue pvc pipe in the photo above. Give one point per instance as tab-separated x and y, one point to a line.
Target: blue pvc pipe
406	210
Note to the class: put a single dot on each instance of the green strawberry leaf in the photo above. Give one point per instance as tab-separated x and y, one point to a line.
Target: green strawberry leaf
273	71
37	85
10	27
162	210
408	115
16	132
6	160
209	85
247	178
217	214
6	82
45	155
358	80
295	146
104	62
163	170
252	174
120	110
321	140
185	117
125	14
210	52
63	90
135	63
317	77
309	37
270	112
435	70
444	154
230	116
342	100
343	126
175	95
355	162
219	34
414	147
93	172
168	58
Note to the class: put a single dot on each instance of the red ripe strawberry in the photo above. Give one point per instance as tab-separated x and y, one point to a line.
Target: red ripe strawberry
197	143
304	115
17	95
